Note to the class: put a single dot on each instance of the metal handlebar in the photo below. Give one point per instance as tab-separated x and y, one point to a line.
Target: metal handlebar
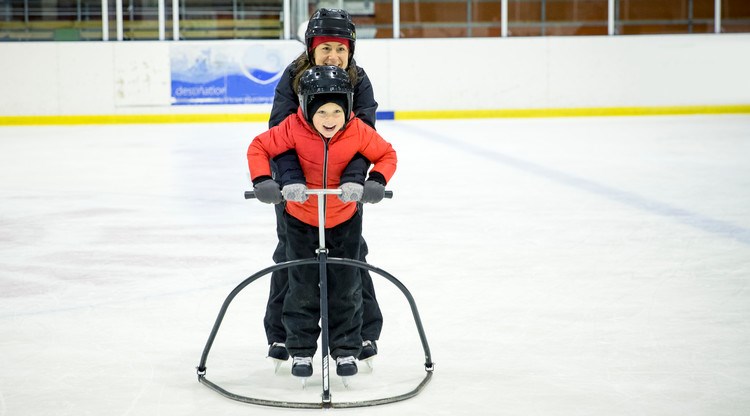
321	208
251	194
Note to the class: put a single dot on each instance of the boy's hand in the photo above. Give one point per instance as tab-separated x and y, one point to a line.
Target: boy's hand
295	192
374	192
268	191
351	191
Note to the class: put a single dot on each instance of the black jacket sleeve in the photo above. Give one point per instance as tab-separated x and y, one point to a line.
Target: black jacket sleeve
356	170
364	105
364	108
288	169
285	100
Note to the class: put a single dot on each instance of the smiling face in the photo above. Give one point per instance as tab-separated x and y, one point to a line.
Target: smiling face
328	119
332	53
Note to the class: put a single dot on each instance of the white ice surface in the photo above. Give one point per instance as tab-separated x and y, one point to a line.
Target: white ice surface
581	266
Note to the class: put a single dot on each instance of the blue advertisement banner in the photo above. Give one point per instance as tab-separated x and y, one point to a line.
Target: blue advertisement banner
228	73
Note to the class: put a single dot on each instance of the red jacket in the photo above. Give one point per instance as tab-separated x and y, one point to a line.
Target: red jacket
295	133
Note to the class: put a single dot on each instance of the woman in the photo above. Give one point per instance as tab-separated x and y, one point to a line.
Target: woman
330	40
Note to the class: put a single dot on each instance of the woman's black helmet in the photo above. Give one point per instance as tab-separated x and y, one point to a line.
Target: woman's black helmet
330	22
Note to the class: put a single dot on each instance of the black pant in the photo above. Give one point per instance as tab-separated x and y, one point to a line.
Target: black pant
372	318
301	310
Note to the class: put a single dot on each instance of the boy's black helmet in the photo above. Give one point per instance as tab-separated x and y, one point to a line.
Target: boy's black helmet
330	22
328	80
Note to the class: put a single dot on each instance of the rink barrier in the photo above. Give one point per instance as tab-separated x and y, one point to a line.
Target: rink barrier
43	120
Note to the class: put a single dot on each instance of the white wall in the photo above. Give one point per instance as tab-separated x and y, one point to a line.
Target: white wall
92	78
559	72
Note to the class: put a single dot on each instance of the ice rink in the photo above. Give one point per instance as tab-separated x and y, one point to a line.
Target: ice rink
571	266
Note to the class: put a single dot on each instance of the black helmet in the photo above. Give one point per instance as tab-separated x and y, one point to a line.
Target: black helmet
330	22
329	80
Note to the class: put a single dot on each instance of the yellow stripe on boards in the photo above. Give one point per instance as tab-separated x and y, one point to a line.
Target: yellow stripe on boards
131	119
572	112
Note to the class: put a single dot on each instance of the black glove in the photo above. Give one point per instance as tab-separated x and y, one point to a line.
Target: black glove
374	192
268	191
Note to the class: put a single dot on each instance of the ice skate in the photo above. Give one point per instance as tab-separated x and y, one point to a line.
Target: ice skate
278	354
368	353
346	367
302	367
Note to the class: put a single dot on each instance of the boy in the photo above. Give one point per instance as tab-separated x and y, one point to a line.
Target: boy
325	136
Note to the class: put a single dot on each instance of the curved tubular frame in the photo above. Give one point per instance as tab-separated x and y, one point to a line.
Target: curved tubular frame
429	365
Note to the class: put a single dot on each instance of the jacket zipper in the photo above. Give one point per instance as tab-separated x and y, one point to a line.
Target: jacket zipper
325	162
325	172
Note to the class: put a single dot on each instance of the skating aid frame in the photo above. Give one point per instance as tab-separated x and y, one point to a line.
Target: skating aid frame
322	260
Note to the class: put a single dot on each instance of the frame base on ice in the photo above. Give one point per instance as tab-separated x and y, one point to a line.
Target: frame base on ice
429	365
322	260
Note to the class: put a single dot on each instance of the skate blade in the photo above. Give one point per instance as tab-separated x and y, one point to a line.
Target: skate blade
370	362
276	364
346	380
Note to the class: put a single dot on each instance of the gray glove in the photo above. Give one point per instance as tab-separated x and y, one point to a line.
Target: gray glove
374	192
351	191
295	192
268	192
